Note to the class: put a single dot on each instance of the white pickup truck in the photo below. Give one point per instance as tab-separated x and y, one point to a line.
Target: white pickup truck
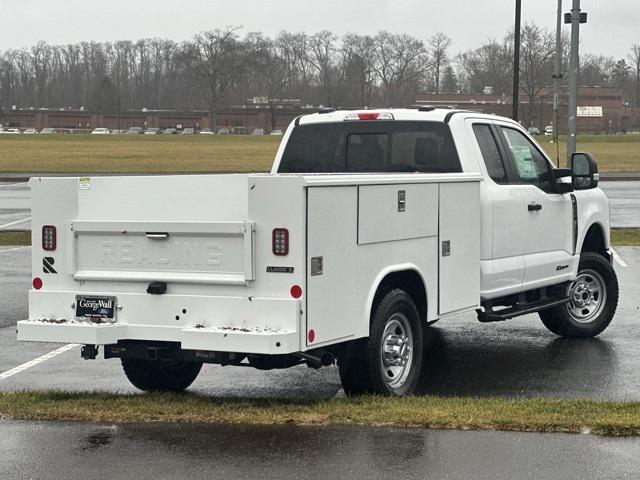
371	226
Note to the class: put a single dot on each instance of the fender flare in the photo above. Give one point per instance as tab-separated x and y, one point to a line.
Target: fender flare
389	269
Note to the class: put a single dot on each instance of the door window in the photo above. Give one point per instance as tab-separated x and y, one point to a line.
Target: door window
529	164
490	153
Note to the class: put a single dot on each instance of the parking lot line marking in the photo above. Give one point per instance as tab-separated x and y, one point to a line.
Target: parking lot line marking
16	222
14	249
37	361
618	259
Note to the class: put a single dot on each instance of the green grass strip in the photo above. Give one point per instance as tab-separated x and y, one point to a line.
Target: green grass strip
625	237
620	237
521	414
16	238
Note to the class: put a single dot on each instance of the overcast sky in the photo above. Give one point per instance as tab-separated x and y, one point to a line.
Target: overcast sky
613	24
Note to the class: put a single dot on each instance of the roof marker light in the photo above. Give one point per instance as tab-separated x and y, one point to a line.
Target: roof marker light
368	116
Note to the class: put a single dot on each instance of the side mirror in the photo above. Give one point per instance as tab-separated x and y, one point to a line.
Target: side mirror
563	186
584	171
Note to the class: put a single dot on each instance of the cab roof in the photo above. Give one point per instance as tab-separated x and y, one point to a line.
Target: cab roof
402	114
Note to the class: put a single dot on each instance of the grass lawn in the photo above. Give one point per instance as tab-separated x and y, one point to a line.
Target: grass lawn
15	238
532	414
136	153
622	237
614	153
625	237
238	153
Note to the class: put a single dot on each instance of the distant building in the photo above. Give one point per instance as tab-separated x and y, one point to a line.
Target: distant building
255	114
600	109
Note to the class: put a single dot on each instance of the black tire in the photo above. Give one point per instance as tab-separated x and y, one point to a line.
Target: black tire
160	375
563	319
362	365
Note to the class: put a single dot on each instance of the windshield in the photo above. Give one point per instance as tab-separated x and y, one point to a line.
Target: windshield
376	146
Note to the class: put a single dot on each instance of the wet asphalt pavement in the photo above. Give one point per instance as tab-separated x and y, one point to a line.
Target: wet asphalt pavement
464	357
56	450
15	206
624	196
514	358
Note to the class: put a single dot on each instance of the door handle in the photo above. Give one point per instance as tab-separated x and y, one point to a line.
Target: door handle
157	235
532	207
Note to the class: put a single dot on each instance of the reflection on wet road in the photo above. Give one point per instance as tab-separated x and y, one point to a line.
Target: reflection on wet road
56	450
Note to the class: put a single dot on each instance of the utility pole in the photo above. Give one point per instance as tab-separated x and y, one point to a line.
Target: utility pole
557	76
516	62
575	18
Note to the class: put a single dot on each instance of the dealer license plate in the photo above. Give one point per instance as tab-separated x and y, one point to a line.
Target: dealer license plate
95	309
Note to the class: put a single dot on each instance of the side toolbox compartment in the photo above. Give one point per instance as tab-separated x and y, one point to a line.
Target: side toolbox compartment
459	255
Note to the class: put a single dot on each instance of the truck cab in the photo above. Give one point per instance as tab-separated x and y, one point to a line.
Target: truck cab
371	226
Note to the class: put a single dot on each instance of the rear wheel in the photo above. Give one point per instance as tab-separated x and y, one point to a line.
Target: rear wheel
389	361
160	375
593	299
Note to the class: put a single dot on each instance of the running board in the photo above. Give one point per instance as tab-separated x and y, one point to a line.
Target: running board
490	315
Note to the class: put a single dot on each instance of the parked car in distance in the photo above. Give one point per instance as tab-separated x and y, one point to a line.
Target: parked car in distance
206	131
30	131
188	131
100	131
258	131
548	130
169	131
276	132
135	131
239	131
223	131
534	131
152	131
48	130
12	131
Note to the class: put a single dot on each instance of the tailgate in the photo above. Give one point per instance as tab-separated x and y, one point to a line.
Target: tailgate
187	252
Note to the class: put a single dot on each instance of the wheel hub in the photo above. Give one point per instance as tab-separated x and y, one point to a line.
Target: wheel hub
587	296
396	350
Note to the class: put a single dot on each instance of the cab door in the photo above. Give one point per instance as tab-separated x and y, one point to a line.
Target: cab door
502	215
548	215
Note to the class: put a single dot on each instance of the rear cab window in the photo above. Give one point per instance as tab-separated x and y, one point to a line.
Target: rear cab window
371	147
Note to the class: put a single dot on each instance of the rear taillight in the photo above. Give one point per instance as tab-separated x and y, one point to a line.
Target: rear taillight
280	241
49	238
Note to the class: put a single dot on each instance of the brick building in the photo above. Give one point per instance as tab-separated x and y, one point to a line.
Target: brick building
600	109
250	116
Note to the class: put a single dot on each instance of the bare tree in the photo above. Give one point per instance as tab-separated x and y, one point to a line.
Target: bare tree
214	57
489	65
439	50
537	49
634	58
357	58
401	61
322	51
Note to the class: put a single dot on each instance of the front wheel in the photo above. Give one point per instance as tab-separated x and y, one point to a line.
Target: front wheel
389	361
160	375
593	299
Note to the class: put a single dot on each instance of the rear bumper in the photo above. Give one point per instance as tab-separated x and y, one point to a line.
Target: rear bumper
218	324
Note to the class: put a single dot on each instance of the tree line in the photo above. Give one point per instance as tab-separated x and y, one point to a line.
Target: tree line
222	67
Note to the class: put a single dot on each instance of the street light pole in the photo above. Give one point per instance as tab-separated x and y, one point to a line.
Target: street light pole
557	76
573	80
516	62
